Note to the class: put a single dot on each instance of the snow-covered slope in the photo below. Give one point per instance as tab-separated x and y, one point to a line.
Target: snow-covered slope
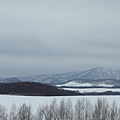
76	84
100	74
52	78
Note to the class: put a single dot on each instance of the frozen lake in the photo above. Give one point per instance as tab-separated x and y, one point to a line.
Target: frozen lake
35	101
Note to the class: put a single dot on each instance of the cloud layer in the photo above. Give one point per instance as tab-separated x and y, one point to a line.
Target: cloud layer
38	37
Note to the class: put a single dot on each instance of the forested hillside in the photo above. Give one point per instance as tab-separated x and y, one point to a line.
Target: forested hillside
33	88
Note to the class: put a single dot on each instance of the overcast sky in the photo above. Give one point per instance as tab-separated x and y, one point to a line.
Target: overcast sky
54	36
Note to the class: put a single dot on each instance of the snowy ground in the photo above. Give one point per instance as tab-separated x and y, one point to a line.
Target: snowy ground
84	90
8	100
76	84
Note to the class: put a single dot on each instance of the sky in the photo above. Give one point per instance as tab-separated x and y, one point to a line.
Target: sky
56	36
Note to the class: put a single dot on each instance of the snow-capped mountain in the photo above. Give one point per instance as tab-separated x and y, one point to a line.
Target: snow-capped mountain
52	78
99	75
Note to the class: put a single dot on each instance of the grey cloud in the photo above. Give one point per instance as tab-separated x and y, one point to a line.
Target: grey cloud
57	36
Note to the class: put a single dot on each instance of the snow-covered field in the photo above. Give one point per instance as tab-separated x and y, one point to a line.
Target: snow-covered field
84	90
8	100
76	84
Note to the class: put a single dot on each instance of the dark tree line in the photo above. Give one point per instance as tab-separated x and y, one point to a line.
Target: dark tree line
33	88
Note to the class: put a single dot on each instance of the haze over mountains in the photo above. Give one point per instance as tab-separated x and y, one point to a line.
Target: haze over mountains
96	76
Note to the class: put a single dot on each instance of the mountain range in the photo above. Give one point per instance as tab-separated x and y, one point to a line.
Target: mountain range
95	77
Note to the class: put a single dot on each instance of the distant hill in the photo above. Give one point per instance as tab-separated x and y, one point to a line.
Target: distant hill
33	88
97	77
100	76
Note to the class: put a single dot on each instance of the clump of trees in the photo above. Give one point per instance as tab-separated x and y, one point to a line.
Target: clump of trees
64	110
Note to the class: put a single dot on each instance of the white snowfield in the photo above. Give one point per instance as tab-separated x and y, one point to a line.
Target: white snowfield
86	90
75	84
34	101
97	90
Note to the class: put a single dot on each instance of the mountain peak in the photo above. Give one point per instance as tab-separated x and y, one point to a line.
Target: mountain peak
101	73
105	68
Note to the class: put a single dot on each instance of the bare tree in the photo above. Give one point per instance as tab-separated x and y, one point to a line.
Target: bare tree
25	112
88	110
69	110
78	110
105	110
101	110
118	113
83	110
54	112
62	108
40	113
54	109
46	112
13	114
114	111
3	113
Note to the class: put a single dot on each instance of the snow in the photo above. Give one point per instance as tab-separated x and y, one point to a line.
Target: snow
35	101
76	84
85	90
104	85
101	73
